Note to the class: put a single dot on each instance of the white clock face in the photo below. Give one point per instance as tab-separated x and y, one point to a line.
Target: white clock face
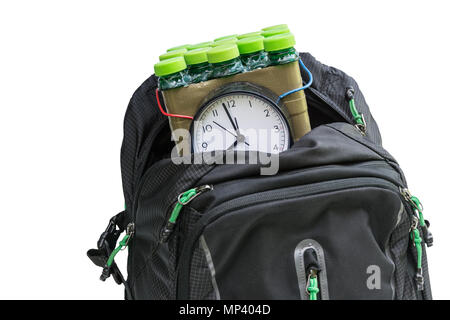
240	121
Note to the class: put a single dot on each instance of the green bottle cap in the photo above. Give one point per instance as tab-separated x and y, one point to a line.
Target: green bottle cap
169	66
200	45
225	37
250	45
184	46
172	54
224	41
196	56
248	35
223	53
279	42
273	32
285	26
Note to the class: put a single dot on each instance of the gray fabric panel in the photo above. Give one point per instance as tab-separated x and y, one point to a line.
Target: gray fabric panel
212	270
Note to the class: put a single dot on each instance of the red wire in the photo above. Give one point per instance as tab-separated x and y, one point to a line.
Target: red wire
169	114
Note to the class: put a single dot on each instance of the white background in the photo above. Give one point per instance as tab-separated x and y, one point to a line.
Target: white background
68	69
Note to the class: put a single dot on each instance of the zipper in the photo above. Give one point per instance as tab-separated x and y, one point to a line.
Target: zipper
331	104
302	190
263	197
312	287
312	270
309	259
418	221
123	244
357	119
183	199
417	243
417	207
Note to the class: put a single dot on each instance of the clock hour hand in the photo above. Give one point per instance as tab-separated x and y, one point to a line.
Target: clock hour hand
235	143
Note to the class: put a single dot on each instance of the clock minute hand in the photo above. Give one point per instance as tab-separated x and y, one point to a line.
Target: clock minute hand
229	117
240	137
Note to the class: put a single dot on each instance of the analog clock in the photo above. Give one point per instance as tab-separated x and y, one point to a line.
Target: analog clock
241	116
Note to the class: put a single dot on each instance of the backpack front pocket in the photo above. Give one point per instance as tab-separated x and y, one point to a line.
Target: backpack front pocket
251	243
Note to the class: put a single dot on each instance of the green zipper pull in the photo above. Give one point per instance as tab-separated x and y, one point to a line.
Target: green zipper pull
122	245
183	199
417	243
360	122
312	288
418	209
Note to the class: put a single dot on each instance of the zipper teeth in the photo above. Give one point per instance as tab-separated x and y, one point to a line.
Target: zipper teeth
304	190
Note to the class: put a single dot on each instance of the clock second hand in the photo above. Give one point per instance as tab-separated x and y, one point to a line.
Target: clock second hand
222	127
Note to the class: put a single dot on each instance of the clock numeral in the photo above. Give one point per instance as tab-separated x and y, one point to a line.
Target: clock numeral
250	103
277	129
266	111
204	145
275	148
207	128
215	113
231	103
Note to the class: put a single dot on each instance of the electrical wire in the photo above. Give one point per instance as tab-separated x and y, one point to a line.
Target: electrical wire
302	65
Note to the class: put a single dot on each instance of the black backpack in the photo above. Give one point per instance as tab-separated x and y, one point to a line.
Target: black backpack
336	222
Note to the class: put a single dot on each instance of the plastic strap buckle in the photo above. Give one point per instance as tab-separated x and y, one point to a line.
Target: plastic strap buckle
105	245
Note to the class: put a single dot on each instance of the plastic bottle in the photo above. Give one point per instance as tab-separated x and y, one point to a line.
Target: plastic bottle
224	41
171	73
252	53
248	35
184	46
226	37
275	31
199	68
200	45
225	60
172	54
278	26
281	48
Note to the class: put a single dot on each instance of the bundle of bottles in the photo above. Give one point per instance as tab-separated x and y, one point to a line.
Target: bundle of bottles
225	56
